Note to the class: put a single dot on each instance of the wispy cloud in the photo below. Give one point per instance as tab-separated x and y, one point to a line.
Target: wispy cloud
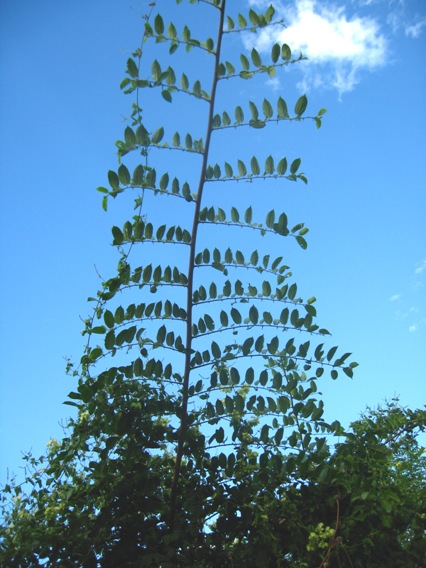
415	30
413	313
421	268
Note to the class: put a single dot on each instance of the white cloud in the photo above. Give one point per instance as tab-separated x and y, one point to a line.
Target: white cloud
421	268
339	47
394	298
413	328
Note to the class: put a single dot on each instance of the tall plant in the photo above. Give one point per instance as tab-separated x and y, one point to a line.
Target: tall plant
196	395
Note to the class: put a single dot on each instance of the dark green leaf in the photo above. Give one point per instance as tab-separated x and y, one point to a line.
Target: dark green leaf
301	105
113	180
255	168
239	115
159	24
255	57
282	108
275	53
285	52
166	96
132	68
269	165
157	136
124	175
242	22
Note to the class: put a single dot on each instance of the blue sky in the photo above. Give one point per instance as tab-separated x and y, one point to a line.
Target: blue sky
61	111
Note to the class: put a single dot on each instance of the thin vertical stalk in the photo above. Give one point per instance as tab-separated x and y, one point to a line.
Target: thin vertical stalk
189	302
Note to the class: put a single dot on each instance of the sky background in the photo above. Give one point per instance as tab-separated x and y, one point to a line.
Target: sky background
61	111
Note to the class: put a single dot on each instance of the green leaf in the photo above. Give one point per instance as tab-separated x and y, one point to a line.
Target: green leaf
236	316
239	115
196	89
254	18
255	168
275	53
113	180
270	219
166	96
253	315
248	213
266	288
281	227
215	349
239	257
244	62
129	136
295	164
273	345
254	111
263	378
301	105
285	52
159	24
302	242
267	317
257	123
282	166
132	68
184	83
209	43
176	139
123	175
247	345
242	22
269	14
138	175
156	71
242	168
259	343
254	259
164	181
157	136
118	236
269	165
188	141
119	315
229	172
246	75
109	319
277	261
235	216
171	31
255	57
142	136
161	334
224	320
268	111
292	291
282	108
229	68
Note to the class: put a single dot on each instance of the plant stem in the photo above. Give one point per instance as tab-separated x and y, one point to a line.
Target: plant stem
189	302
